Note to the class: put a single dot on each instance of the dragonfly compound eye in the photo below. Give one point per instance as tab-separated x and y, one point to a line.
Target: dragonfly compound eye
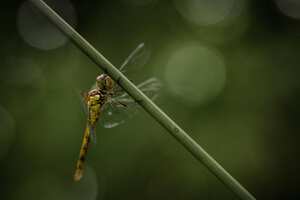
100	80
109	83
101	77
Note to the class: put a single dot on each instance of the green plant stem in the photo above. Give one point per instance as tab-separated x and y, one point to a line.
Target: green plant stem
180	135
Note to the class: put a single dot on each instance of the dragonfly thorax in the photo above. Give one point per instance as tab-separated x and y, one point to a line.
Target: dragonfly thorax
94	97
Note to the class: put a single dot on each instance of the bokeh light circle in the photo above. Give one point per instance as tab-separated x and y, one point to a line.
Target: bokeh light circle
290	8
22	72
195	74
88	186
7	130
47	185
206	12
37	31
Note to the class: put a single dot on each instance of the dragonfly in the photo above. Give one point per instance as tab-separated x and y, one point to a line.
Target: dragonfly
107	100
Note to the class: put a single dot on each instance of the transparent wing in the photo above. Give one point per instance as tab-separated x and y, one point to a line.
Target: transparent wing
82	96
114	114
137	58
121	107
149	87
135	61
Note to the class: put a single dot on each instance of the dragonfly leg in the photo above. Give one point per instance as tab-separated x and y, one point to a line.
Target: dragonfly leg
114	102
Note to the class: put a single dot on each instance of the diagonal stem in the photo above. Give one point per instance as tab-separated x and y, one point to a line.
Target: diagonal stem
180	135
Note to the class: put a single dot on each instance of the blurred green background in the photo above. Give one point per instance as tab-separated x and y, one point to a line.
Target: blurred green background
230	74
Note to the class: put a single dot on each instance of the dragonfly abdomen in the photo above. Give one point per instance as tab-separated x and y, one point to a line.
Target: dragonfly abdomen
82	155
94	101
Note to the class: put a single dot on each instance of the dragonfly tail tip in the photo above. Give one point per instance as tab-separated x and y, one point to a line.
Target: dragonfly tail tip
77	176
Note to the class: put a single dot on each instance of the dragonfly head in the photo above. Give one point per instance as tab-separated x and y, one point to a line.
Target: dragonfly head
104	82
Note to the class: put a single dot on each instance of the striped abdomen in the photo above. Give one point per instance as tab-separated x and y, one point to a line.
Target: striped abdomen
82	154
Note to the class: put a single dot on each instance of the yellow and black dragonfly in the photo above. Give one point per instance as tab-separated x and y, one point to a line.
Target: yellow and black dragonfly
107	101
